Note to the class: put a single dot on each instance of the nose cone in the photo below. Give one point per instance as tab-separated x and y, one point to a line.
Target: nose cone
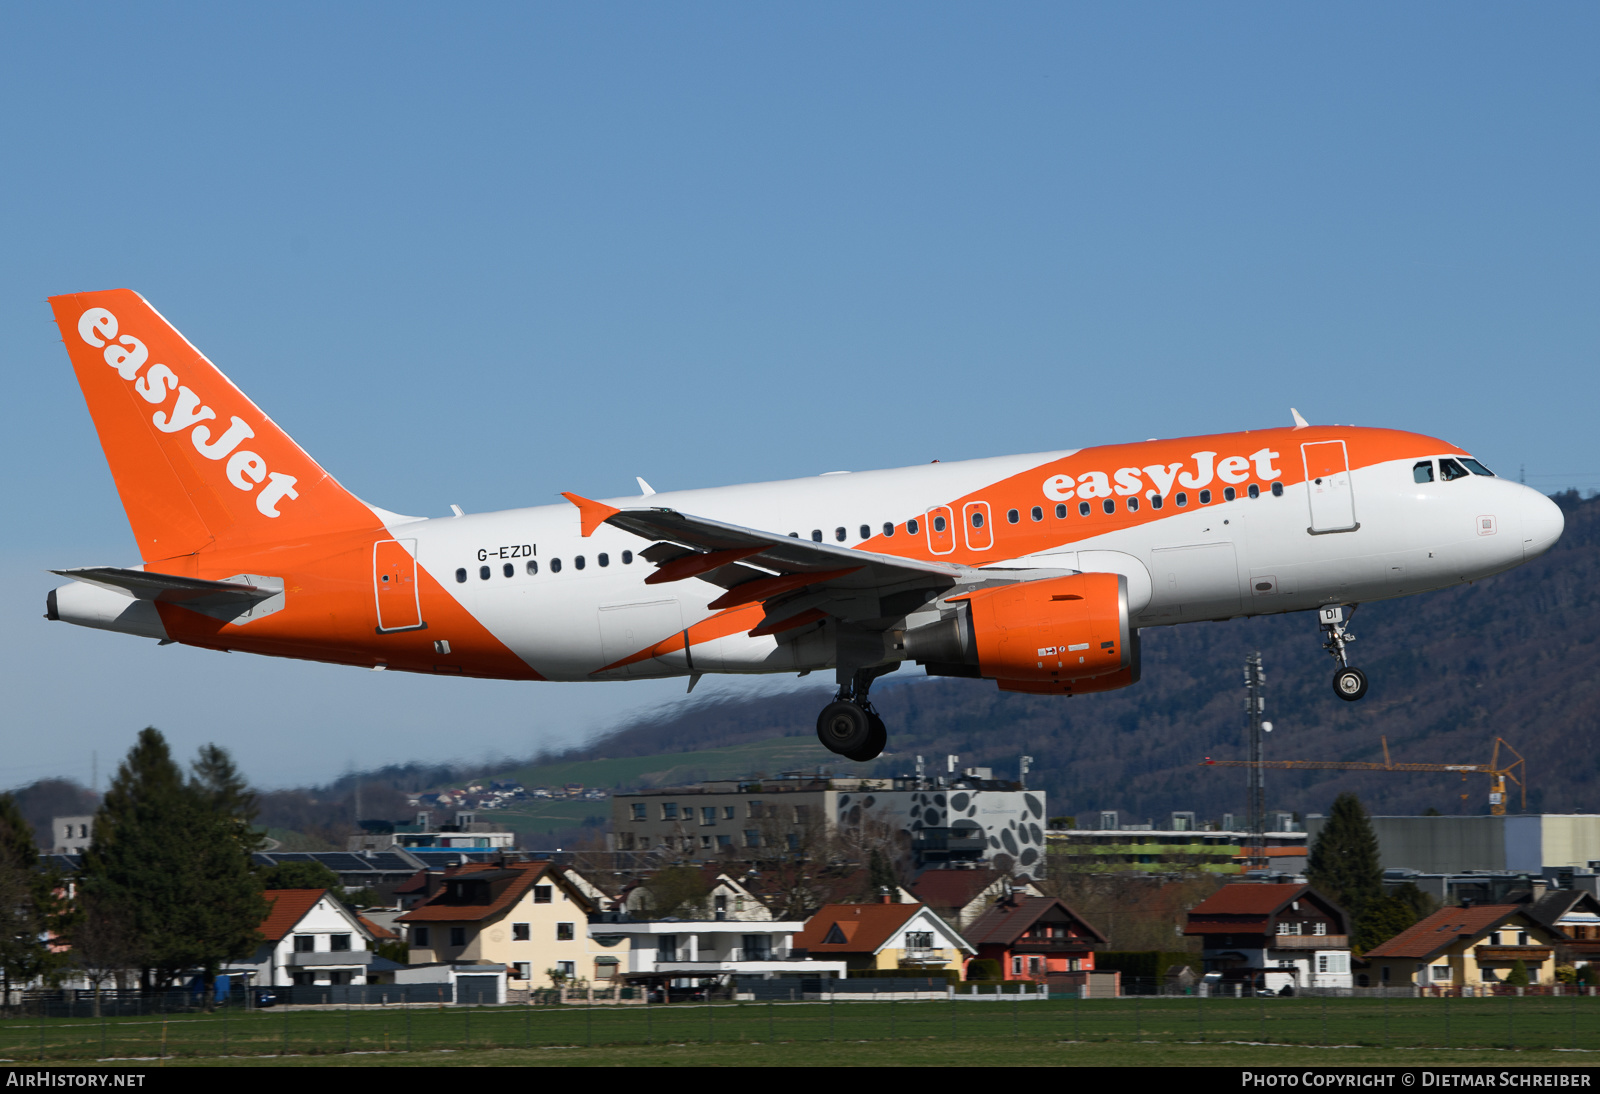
1542	524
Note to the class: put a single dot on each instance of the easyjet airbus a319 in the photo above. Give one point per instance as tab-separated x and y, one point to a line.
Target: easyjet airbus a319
1035	571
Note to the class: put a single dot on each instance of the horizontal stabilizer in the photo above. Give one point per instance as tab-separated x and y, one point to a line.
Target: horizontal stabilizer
237	600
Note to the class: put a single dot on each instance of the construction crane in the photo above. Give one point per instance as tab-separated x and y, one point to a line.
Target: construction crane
1497	773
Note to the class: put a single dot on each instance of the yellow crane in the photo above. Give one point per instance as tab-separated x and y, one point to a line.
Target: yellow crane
1498	773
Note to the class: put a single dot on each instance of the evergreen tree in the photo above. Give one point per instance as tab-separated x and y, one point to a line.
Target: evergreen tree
30	906
1343	864
301	874
170	857
228	795
880	875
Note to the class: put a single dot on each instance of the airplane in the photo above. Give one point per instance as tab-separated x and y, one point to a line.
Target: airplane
1036	571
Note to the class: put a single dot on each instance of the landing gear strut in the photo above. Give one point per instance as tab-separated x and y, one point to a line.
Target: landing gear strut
849	725
1349	683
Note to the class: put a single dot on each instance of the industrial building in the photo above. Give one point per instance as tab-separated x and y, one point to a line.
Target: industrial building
1521	843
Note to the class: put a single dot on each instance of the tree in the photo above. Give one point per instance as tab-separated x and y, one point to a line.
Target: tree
1518	976
30	908
679	891
1343	864
226	794
170	855
301	874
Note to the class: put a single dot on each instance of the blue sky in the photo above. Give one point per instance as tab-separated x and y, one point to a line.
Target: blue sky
483	255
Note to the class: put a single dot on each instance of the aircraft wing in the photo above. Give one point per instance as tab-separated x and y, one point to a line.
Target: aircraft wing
796	580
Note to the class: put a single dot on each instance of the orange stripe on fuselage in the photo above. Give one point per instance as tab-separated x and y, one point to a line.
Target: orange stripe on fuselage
1366	447
330	612
717	626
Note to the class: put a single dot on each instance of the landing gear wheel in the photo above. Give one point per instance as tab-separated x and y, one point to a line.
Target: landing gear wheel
845	728
1349	684
878	736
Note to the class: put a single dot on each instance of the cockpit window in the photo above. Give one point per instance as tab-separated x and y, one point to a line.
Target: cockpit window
1422	472
1476	468
1450	469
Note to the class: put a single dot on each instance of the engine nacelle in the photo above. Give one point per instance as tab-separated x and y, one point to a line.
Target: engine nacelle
1047	633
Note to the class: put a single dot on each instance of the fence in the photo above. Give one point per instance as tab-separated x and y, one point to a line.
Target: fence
1385	1021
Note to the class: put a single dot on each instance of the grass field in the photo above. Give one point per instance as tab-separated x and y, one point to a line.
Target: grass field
1150	1031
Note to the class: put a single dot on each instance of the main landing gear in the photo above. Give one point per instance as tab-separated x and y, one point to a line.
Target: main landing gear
1349	683
849	725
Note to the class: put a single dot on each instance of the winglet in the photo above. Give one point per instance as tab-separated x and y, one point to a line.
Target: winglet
591	514
1299	422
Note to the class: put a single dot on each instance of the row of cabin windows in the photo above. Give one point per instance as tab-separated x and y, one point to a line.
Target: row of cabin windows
578	563
1014	516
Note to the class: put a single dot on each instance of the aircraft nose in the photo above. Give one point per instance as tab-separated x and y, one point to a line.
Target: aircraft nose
1542	524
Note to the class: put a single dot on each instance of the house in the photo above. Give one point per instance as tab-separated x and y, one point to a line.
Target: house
959	897
674	952
1576	914
1475	947
531	917
1036	938
1273	935
308	937
907	937
727	898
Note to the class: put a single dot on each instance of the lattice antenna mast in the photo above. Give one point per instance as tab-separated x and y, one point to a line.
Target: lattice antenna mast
1255	705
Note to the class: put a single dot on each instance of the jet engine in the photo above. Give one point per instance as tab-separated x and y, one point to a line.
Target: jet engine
1060	635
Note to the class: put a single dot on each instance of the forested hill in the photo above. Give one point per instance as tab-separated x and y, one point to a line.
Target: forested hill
1514	656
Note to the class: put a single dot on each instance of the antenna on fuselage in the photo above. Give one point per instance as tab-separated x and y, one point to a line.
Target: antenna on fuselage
1299	422
645	489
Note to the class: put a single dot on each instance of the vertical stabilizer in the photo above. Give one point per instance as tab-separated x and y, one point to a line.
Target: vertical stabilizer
195	461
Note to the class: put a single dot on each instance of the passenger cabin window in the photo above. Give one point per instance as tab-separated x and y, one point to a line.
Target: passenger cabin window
461	574
1156	501
1422	472
1183	499
1277	489
938	524
1036	513
577	560
1061	512
1450	469
533	566
1254	491
627	558
1133	505
911	527
1205	497
839	533
483	573
555	565
816	535
1083	508
1109	506
888	529
603	559
977	519
508	569
1012	516
1229	494
866	531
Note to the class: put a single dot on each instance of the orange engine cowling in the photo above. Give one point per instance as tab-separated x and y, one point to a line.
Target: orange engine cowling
1037	636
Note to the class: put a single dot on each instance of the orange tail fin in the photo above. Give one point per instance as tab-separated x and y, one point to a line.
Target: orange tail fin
195	461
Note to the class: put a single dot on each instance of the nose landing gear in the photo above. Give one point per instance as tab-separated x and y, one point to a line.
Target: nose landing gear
1349	683
849	725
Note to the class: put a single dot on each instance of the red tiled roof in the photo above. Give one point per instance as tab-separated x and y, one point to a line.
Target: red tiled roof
416	883
379	933
866	927
1248	899
1005	923
288	907
952	888
1444	928
505	886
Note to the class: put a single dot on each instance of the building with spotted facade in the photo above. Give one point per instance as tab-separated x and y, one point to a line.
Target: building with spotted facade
959	819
